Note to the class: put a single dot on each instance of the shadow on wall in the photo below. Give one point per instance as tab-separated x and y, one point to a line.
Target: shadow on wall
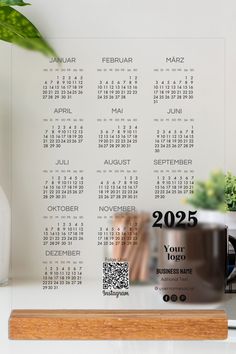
5	67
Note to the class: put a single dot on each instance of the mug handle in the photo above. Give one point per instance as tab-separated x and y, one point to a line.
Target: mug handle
232	274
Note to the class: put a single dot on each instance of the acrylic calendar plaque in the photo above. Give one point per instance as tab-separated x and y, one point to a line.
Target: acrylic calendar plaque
118	129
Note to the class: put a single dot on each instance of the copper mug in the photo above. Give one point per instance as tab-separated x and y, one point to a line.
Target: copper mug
192	263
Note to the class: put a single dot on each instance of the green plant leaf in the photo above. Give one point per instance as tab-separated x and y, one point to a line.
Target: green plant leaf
17	29
13	3
209	194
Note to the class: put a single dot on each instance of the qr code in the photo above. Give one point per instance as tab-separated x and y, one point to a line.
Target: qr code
115	275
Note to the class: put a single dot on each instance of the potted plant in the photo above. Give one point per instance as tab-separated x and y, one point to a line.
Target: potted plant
215	199
230	202
15	28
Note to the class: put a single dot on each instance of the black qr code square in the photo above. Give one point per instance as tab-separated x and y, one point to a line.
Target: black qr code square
115	275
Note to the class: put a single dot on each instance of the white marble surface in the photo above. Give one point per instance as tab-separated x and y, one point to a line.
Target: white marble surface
27	294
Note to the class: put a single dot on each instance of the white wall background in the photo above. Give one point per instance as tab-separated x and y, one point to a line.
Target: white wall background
5	74
128	18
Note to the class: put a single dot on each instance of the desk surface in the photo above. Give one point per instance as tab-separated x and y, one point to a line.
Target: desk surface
17	294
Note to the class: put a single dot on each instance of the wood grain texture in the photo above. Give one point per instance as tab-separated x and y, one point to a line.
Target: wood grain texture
117	324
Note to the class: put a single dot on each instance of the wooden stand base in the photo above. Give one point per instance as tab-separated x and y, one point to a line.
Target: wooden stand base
117	324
